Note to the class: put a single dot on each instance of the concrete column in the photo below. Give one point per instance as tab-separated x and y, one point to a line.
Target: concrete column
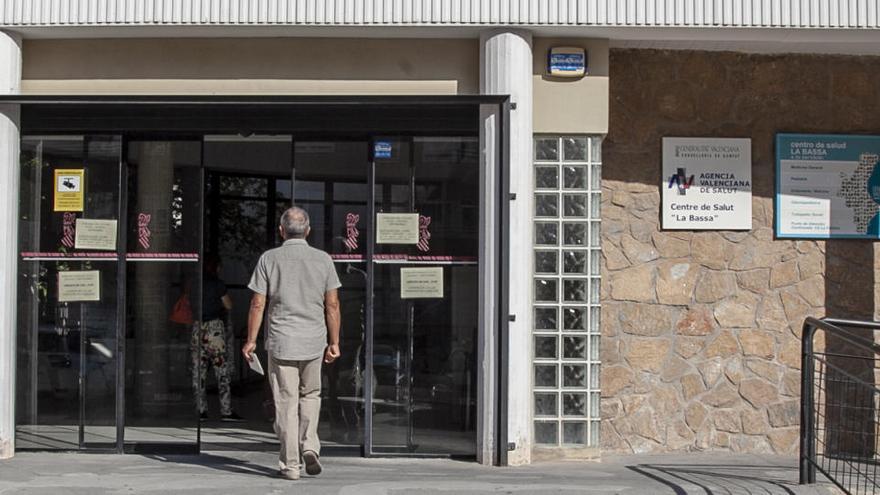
10	83
506	69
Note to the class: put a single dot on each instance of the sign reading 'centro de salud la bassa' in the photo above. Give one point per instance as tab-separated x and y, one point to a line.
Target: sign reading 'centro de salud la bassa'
707	184
827	186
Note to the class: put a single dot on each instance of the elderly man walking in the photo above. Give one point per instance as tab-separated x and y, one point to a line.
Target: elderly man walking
299	285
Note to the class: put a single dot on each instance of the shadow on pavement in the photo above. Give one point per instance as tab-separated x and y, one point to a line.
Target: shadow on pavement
220	463
717	479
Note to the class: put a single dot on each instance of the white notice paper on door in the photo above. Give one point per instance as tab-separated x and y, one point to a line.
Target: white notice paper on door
421	283
397	228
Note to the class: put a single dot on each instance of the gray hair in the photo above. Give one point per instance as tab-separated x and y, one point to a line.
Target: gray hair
295	222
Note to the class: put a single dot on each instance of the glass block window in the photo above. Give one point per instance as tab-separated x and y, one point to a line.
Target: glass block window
565	291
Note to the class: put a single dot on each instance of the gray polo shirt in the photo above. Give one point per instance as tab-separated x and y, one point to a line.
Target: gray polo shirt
294	278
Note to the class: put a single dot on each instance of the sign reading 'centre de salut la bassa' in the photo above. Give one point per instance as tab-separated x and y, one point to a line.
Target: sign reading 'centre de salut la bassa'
707	184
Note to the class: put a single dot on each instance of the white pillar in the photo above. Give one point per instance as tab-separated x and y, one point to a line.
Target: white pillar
10	83
506	69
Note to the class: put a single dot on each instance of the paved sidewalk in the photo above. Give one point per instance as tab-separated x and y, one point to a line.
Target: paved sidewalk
254	473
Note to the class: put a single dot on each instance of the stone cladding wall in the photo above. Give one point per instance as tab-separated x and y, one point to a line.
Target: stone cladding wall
700	331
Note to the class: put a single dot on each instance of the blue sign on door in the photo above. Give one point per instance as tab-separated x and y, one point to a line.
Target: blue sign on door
382	149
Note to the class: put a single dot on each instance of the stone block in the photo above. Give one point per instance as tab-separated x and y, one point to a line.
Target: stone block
812	290
637	251
646	320
674	368
756	281
679	436
727	420
694	414
665	401
758	392
671	247
791	384
723	345
647	354
786	413
811	264
735	314
734	371
710	250
634	284
714	286
642	230
754	422
711	370
757	343
784	441
696	321
676	280
765	369
688	347
691	386
790	353
784	274
614	258
724	395
614	379
644	424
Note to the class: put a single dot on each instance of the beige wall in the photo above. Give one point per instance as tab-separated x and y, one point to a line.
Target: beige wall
569	105
250	66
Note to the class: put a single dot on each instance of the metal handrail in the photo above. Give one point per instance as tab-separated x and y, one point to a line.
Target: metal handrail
808	461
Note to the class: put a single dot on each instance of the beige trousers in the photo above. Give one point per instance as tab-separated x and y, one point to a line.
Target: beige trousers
296	387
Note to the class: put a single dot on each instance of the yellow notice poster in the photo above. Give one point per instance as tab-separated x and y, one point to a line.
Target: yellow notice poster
79	286
69	189
421	283
397	228
95	234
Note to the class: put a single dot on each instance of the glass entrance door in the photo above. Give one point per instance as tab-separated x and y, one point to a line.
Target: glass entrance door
424	265
69	307
163	294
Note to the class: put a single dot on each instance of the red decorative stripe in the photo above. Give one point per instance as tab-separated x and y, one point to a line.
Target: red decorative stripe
40	254
164	255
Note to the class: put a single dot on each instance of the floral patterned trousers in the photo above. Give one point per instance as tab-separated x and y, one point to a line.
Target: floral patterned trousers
210	336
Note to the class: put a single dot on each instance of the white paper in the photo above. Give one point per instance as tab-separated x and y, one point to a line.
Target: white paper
255	364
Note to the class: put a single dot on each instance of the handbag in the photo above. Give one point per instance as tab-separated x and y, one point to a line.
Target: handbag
182	311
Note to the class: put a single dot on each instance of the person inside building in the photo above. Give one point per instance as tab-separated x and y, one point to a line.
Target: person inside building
299	285
209	338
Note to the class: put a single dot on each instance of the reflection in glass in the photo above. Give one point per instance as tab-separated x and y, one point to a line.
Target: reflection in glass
574	376
546	233
545	261
545	347
545	290
574	234
574	177
574	148
545	404
545	432
545	318
574	319
574	205
545	375
574	404
546	149
574	290
546	177
574	432
574	347
546	205
574	262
